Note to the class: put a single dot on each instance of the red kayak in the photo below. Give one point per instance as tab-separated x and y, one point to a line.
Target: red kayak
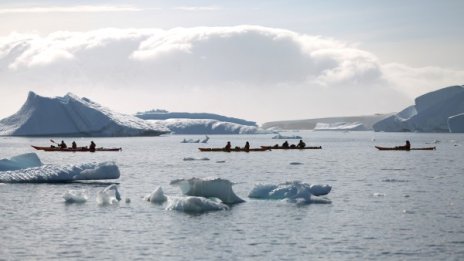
404	149
78	149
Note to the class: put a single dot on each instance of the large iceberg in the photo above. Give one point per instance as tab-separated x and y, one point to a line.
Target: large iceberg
208	187
73	116
431	113
340	126
53	173
165	115
21	161
205	126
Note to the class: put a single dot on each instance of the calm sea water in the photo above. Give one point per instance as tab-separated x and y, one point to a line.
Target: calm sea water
385	205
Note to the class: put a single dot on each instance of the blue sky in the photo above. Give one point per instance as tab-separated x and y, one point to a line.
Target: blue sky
328	57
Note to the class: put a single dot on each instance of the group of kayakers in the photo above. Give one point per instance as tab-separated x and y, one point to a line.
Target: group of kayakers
63	145
300	145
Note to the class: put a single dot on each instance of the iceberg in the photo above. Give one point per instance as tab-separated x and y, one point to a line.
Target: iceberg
75	196
108	196
292	191
157	196
165	115
282	137
431	113
53	173
22	161
208	187
340	126
73	116
204	126
192	204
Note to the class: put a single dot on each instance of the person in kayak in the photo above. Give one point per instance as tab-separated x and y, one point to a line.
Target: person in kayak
285	144
247	146
301	144
406	146
228	146
74	145
92	146
63	145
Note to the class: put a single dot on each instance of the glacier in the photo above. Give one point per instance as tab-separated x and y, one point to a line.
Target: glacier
73	116
53	173
432	112
22	161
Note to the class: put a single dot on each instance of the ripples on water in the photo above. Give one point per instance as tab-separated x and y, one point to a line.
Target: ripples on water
385	205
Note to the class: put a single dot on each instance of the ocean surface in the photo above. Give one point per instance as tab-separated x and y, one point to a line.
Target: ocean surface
385	205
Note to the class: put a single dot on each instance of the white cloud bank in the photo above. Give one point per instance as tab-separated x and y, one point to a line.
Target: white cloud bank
254	72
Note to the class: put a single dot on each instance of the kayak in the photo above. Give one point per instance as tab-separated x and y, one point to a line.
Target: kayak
292	148
232	150
404	149
78	149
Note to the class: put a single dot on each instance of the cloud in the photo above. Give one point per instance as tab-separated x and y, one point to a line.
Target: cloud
69	9
272	73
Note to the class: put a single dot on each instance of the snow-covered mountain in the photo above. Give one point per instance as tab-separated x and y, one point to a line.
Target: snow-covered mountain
205	126
164	115
432	112
73	116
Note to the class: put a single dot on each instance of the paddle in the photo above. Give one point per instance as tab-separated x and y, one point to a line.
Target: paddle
52	141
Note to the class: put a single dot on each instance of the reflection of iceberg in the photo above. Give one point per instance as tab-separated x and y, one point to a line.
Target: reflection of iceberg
53	173
209	187
22	161
294	190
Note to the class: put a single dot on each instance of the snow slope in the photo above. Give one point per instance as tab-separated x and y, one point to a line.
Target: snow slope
429	114
73	116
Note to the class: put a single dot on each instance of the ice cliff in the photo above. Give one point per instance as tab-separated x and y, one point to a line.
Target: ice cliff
73	116
438	111
205	126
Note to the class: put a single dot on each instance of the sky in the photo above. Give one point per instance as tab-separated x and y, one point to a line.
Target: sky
257	60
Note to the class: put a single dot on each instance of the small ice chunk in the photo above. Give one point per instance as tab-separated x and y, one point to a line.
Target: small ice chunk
75	196
191	204
157	196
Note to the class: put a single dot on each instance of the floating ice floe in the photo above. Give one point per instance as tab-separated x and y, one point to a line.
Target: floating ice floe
157	196
108	196
53	173
191	204
75	196
208	187
22	161
293	191
192	159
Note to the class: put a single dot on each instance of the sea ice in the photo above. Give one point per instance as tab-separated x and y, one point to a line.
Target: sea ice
157	196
